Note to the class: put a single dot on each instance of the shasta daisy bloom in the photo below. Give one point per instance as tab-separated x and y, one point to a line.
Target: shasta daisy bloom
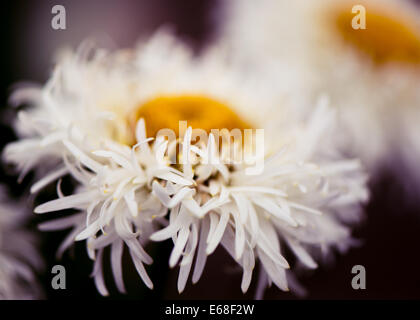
147	135
302	199
370	74
18	256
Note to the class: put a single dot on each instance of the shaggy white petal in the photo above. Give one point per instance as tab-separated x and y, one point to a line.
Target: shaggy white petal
300	46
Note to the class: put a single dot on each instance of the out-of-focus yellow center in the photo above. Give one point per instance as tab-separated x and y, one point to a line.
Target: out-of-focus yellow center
200	112
388	37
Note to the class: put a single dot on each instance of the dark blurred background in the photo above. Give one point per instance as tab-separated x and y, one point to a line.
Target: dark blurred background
391	233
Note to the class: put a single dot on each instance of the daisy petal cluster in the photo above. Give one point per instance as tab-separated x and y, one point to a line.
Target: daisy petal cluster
114	204
100	118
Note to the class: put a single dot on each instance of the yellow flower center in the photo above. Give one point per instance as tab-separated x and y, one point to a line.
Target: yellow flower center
200	112
388	37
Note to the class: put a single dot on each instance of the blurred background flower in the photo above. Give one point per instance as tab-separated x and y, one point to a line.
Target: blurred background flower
371	76
390	234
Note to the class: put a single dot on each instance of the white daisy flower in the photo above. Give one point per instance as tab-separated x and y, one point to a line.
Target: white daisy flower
18	256
370	74
100	119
